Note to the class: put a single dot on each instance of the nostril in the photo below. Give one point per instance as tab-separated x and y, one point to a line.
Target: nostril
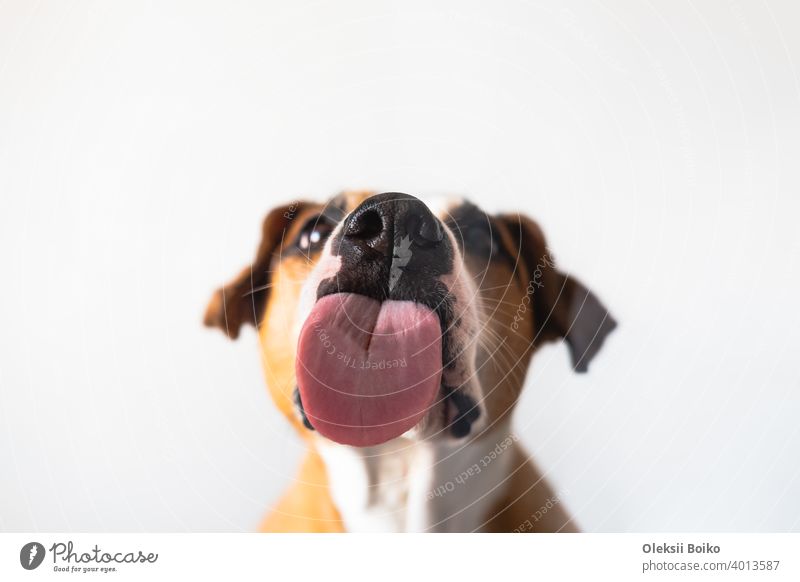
425	229
431	230
366	225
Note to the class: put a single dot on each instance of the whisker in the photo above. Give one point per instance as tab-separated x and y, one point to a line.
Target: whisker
257	289
506	286
502	302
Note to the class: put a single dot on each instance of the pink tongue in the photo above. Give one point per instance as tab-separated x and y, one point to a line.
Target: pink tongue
368	370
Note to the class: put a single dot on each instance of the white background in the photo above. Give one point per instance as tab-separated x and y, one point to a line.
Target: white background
140	146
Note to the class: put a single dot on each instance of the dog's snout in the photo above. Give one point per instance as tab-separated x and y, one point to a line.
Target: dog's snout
392	246
388	220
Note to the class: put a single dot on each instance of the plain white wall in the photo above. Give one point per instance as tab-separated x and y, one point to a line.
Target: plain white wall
140	146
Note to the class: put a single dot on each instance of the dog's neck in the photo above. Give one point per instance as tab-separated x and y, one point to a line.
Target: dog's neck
406	485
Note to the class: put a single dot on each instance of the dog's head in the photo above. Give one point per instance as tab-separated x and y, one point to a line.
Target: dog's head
379	315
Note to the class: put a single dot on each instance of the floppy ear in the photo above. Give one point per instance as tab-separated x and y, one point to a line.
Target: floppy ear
242	300
562	306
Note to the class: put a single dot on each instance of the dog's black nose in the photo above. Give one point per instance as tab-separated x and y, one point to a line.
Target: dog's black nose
392	247
390	221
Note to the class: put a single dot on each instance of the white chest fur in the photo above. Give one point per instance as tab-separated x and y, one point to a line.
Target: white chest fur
407	485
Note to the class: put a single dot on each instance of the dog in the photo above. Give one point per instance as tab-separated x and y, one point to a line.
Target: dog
395	336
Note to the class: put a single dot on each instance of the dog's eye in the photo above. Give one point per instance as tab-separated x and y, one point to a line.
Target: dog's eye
314	234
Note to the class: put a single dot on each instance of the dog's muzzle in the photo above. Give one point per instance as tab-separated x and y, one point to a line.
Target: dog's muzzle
392	247
372	351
